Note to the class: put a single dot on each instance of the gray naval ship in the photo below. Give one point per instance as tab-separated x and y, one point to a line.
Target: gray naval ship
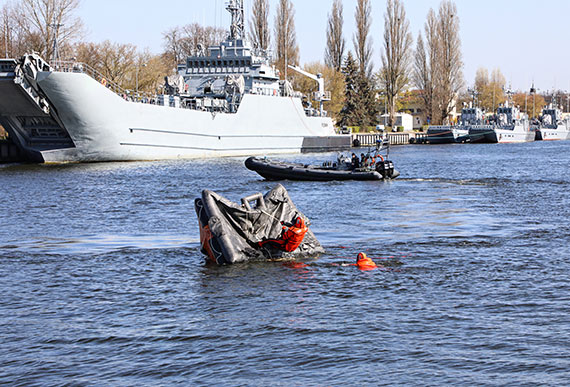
225	101
552	125
439	134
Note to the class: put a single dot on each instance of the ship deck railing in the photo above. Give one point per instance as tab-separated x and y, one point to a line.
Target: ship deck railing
80	67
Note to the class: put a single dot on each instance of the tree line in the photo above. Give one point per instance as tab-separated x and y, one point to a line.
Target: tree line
433	68
436	69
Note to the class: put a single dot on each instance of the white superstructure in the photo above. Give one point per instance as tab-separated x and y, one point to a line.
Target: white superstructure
552	126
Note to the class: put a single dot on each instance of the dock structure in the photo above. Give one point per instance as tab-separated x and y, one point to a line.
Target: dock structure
9	152
398	138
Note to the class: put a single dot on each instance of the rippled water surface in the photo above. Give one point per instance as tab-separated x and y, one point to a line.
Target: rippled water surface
102	281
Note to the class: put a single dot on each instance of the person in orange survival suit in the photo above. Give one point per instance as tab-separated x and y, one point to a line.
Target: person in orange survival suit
365	263
290	238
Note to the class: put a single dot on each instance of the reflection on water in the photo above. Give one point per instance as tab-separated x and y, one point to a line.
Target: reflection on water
96	244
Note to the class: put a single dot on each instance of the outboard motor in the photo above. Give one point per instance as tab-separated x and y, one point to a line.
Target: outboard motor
385	168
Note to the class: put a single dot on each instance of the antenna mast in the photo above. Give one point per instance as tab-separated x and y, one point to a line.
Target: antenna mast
55	53
235	7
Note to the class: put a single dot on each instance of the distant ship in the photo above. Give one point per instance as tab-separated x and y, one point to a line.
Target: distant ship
225	101
440	134
510	125
552	126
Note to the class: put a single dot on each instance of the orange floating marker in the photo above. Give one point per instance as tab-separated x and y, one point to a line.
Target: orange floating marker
365	263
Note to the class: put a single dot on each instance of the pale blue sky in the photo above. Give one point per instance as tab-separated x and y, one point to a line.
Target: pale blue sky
526	39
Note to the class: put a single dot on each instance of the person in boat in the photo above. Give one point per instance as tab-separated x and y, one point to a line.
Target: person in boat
366	160
291	236
355	163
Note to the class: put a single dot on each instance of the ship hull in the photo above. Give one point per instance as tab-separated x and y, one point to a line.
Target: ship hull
489	134
552	134
446	135
103	126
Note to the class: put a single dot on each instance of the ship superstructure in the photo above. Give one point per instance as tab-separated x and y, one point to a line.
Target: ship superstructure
508	125
552	125
226	100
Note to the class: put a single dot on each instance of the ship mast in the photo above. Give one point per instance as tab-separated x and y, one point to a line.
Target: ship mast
237	30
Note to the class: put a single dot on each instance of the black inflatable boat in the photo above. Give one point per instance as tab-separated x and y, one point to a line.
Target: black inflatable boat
231	232
340	170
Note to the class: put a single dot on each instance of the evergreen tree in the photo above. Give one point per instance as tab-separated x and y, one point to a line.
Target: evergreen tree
360	107
349	112
367	101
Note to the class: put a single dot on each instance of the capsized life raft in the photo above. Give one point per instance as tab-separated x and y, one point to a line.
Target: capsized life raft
278	170
231	232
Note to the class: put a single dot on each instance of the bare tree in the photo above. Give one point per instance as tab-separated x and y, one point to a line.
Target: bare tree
362	41
287	48
422	77
334	52
395	70
259	25
490	89
123	65
15	38
173	46
195	37
8	25
481	79
51	20
116	61
426	65
180	42
449	70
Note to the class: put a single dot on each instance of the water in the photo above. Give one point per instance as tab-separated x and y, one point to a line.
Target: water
102	281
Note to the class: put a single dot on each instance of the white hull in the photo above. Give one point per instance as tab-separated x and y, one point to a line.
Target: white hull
105	127
551	134
490	134
518	134
111	128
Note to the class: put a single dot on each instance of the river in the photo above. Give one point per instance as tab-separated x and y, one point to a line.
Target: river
102	281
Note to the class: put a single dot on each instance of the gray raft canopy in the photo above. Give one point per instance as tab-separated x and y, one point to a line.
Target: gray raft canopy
229	232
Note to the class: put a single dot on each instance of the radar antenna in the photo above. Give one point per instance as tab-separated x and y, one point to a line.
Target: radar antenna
235	7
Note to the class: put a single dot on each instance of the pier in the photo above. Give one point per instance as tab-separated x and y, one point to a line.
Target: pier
9	152
398	138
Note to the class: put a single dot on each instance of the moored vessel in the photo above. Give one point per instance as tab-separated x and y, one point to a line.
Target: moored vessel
508	125
227	100
552	125
439	134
